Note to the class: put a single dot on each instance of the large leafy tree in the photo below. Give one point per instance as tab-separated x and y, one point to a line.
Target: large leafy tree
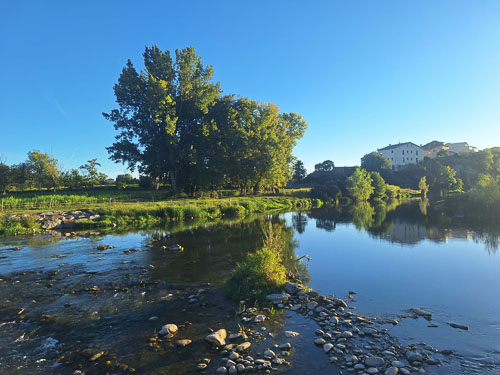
44	168
378	184
359	185
161	115
326	166
375	162
252	143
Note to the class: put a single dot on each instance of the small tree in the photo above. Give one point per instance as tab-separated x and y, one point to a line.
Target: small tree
73	180
299	171
378	184
5	177
424	188
91	174
359	185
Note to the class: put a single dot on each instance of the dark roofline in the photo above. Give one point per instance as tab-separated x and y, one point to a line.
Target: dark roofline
390	147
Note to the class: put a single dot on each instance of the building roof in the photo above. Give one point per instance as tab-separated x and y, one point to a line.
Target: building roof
433	144
390	147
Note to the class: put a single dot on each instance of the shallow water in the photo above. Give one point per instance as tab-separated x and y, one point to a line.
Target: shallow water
395	258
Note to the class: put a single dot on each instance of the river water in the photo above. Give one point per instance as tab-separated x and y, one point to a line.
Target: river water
62	296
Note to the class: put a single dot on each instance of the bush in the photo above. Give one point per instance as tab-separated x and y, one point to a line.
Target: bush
145	182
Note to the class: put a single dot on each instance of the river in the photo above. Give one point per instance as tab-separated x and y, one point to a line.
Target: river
62	296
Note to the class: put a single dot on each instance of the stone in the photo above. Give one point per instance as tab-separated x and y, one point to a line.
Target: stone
374	361
359	366
240	367
421	312
278	298
291	334
404	371
327	347
201	366
351	358
432	361
372	370
259	318
269	354
296	307
233	370
234	356
346	334
221	370
286	346
397	364
312	305
292	288
183	342
413	357
392	371
319	341
458	326
168	329
217	338
243	346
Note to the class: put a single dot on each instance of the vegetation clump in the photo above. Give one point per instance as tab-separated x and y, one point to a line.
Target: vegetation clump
264	271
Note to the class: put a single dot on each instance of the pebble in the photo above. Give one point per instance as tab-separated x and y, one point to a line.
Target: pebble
183	342
168	329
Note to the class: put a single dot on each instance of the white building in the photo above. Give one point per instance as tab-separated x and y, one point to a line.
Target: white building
460	148
402	154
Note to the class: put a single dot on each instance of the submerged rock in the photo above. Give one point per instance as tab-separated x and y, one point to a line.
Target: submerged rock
183	342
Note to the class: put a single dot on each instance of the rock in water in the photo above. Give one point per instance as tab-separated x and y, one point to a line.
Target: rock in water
374	361
168	329
243	346
291	334
217	338
292	288
183	342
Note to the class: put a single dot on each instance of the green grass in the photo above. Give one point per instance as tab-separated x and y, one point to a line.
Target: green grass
141	214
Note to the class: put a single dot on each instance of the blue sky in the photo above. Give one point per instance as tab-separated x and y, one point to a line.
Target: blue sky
362	73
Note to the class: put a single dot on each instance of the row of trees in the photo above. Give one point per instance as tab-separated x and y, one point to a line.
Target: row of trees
42	171
444	173
175	125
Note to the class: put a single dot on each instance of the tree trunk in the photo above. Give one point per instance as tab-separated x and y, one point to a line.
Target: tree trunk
173	181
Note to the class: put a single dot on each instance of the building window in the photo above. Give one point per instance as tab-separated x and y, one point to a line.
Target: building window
403	160
416	159
403	152
416	152
392	151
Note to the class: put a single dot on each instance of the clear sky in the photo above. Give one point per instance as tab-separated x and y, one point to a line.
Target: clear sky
363	74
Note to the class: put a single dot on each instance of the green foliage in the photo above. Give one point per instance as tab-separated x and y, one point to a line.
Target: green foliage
262	272
15	226
44	169
326	192
378	184
145	182
326	166
91	175
422	185
392	191
375	162
299	171
359	185
174	125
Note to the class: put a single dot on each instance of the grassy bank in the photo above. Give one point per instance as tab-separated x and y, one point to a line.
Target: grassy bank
140	214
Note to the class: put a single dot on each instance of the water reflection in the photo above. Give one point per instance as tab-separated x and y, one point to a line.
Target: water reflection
406	223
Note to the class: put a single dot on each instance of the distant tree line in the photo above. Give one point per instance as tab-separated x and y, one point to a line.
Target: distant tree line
377	180
175	126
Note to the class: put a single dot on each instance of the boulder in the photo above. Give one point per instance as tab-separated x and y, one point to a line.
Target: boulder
217	338
168	329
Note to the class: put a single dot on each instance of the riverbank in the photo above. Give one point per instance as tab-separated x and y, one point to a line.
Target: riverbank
141	214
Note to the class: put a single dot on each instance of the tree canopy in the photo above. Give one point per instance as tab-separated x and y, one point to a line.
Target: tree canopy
174	125
375	162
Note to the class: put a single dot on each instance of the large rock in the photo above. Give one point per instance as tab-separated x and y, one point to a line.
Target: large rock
243	346
168	329
293	288
374	361
278	298
413	357
217	338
